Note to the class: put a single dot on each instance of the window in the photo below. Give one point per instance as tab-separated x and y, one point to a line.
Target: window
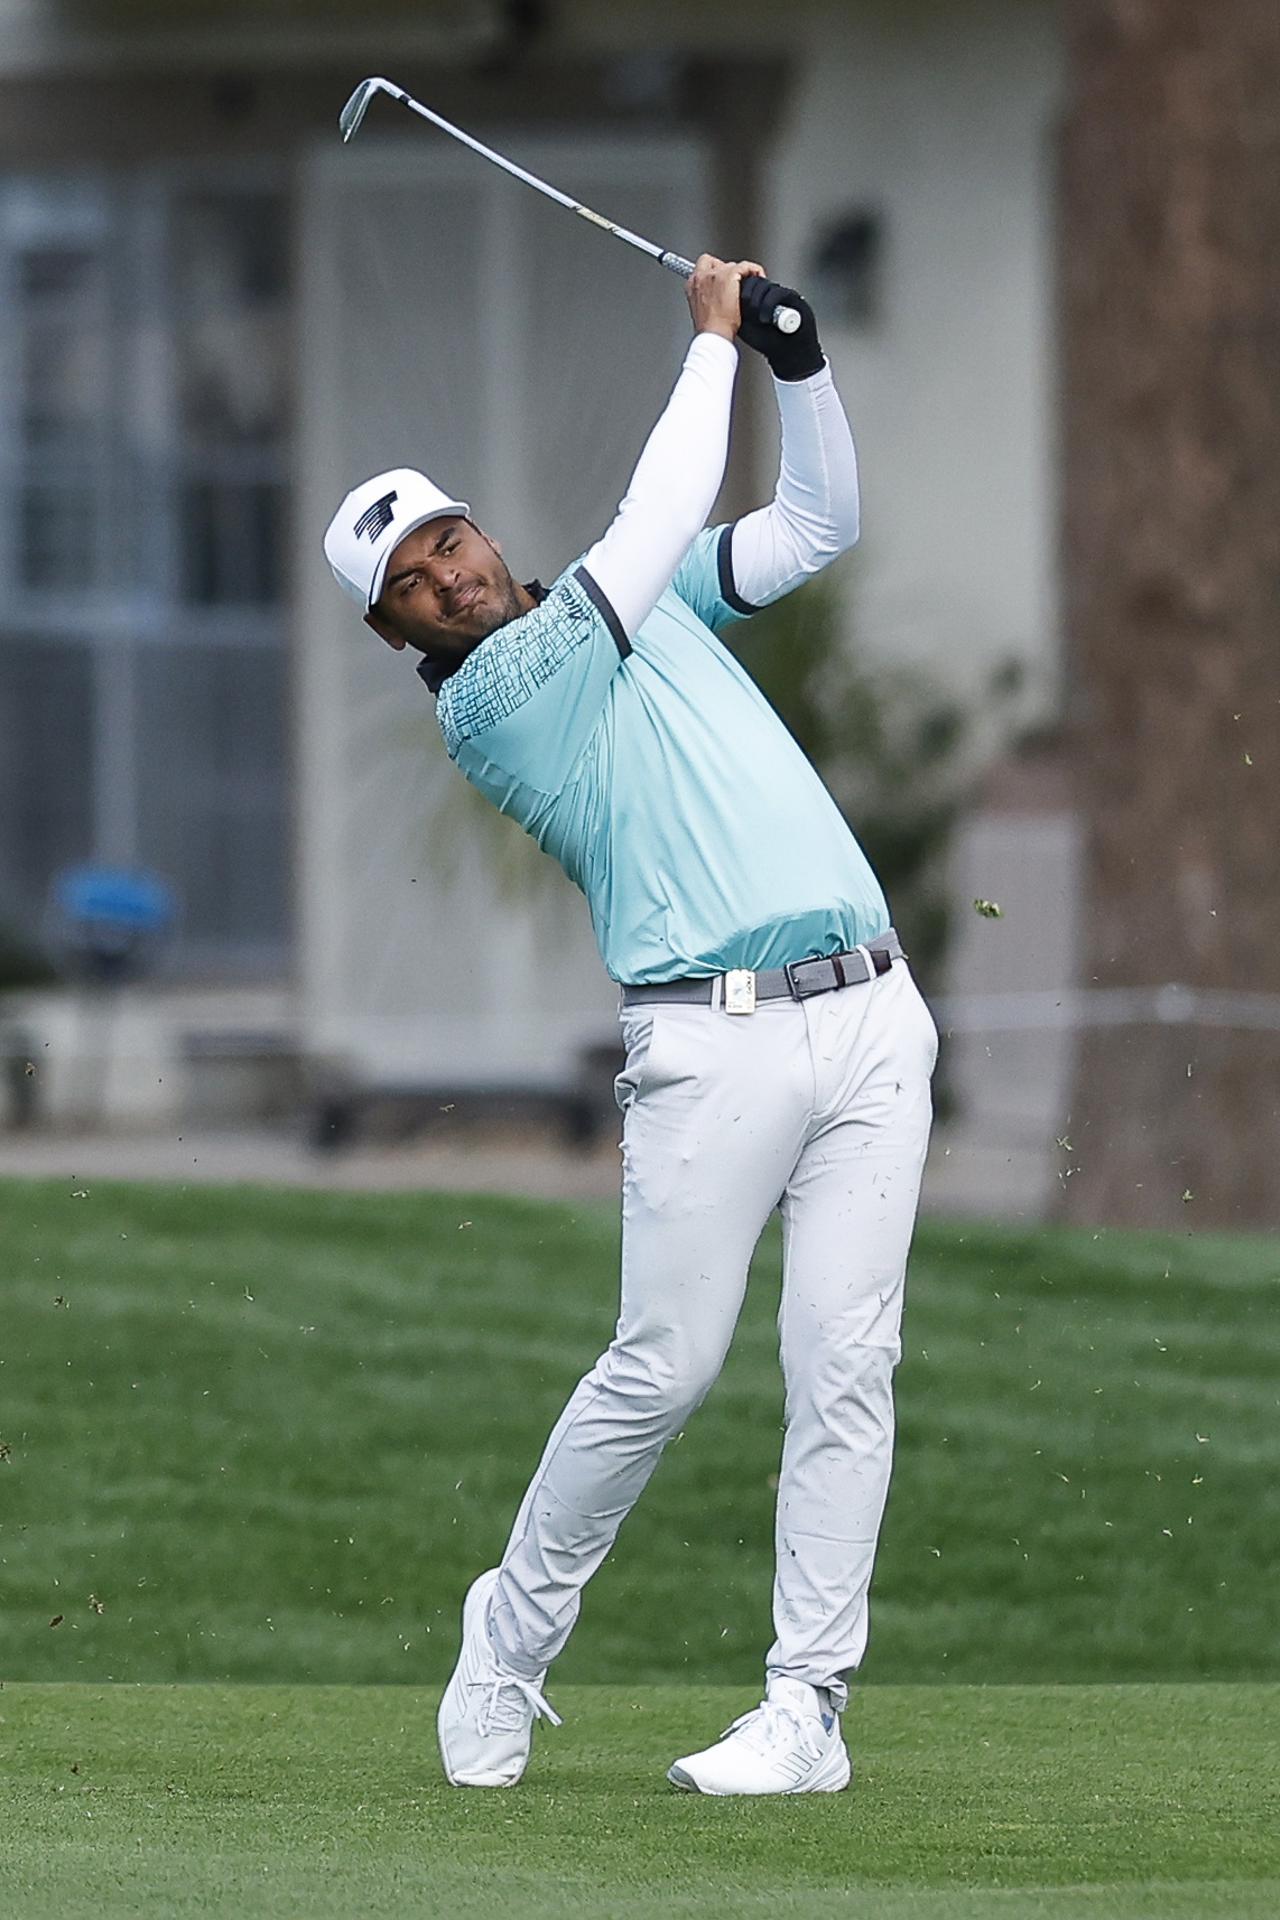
143	443
46	699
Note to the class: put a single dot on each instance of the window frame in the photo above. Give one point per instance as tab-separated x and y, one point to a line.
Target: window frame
117	618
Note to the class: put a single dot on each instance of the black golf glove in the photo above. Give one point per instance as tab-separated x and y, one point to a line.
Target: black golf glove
791	356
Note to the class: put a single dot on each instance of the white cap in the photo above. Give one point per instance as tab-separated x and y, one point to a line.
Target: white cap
374	519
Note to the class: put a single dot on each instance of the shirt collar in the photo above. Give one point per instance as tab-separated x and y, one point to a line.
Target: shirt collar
435	672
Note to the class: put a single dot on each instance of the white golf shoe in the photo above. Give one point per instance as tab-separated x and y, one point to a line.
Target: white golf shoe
485	1722
790	1743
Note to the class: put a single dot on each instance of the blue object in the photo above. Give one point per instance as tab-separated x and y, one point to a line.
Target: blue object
112	915
115	897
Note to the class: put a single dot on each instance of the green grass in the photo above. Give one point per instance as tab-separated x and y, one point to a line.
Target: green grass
1145	1803
273	1435
269	1436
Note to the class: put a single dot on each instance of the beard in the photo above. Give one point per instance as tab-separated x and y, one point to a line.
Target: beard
496	605
499	606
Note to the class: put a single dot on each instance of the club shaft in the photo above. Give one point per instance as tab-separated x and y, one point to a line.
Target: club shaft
785	318
522	173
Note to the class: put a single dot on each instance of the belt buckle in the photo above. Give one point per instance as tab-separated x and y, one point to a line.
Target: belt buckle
740	990
798	991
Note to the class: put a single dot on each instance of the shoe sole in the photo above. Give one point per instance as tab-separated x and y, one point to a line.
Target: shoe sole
475	1598
687	1784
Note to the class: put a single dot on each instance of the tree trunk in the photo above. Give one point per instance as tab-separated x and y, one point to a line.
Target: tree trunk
1170	211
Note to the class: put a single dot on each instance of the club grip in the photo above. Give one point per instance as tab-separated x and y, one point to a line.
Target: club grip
785	319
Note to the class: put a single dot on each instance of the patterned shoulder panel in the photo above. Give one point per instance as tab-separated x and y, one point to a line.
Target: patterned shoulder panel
508	668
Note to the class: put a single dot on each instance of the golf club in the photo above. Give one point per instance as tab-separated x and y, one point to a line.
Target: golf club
786	319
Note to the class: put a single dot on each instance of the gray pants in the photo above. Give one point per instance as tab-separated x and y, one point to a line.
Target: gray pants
825	1104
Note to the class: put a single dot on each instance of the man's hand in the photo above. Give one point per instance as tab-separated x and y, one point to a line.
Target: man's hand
791	356
713	294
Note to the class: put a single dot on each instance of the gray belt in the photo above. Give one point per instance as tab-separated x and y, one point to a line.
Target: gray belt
741	990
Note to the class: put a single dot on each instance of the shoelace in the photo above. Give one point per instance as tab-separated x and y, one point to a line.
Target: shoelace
499	1715
768	1724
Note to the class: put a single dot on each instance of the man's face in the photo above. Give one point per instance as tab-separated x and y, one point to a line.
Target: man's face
446	589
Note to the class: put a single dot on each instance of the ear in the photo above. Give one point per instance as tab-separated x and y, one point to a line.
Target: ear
384	630
489	540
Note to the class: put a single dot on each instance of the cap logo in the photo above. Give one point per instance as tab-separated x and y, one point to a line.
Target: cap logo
377	518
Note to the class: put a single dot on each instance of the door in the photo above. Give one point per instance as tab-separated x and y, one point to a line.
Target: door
453	320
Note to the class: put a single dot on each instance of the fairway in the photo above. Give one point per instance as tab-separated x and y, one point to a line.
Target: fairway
270	1436
1143	1803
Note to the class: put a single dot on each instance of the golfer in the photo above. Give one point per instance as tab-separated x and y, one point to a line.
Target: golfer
777	1049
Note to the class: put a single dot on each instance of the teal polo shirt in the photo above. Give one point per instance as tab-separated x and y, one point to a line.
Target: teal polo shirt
660	778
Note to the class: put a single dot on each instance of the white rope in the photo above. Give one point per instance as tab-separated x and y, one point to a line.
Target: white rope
1041	1010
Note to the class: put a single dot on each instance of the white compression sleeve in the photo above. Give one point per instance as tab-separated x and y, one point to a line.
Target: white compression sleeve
673	488
813	515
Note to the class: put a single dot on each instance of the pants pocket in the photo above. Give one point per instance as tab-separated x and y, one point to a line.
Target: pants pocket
639	1032
926	1021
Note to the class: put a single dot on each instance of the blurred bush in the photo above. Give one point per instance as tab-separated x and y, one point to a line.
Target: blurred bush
22	964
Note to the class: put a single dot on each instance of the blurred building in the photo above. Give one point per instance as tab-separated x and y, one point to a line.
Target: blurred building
215	318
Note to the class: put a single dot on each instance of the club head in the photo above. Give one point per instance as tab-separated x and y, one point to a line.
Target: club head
358	105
